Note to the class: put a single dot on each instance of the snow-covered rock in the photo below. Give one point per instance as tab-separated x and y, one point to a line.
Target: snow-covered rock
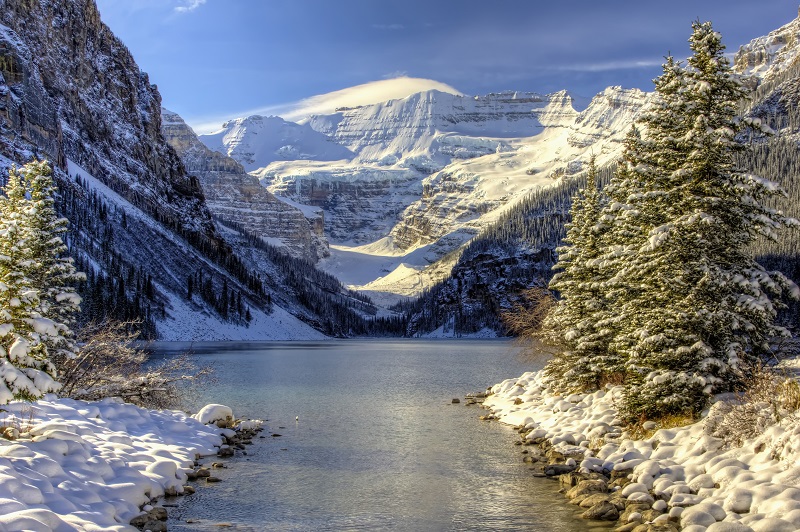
213	413
236	196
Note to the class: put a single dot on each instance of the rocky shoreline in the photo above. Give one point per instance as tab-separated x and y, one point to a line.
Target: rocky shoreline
236	435
611	497
688	477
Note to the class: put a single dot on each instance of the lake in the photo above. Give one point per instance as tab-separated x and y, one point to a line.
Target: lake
377	444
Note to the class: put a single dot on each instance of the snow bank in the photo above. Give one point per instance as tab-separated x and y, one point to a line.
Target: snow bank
91	466
214	413
684	471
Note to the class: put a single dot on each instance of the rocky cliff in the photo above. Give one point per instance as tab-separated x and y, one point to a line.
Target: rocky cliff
768	56
71	90
235	196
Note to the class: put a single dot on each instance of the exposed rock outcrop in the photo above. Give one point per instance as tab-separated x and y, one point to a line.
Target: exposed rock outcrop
235	196
770	55
70	90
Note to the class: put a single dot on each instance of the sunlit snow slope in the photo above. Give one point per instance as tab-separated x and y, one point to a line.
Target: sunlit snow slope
426	172
421	175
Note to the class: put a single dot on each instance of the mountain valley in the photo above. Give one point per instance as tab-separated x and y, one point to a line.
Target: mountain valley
434	194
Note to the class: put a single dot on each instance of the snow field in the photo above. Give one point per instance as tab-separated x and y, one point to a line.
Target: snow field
93	466
684	471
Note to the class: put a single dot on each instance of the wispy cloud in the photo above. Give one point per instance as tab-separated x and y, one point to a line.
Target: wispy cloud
189	5
627	64
388	27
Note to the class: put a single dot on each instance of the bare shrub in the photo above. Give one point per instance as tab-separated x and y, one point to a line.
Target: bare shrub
771	396
12	424
110	364
527	316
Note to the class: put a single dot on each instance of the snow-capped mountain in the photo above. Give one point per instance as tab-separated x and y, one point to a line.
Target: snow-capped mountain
235	196
430	170
257	141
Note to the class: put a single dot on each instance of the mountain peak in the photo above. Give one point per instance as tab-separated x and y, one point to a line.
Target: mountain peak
365	94
765	56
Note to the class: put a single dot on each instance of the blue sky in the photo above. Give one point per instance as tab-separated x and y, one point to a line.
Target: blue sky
218	59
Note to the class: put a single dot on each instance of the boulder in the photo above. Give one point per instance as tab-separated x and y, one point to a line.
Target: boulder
587	487
571	480
558	469
595	499
603	511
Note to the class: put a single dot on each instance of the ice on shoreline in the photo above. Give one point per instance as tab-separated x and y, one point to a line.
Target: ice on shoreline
91	466
756	485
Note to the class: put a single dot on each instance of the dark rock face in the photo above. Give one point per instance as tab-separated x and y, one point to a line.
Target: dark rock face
70	90
235	196
361	209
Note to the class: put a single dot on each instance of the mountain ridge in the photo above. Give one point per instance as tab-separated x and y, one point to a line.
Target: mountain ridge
432	169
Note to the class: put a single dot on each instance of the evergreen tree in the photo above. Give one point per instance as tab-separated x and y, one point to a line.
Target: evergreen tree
26	371
48	268
693	308
573	322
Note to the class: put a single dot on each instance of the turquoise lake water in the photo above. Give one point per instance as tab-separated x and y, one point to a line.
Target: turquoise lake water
378	444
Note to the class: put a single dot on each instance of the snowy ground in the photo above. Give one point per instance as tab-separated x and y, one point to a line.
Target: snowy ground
92	466
184	323
384	273
684	471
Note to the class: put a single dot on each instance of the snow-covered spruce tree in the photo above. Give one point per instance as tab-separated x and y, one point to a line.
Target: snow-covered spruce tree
26	371
584	362
694	309
48	268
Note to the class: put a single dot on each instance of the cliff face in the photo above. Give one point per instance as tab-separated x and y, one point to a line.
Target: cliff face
770	55
235	196
72	93
70	90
